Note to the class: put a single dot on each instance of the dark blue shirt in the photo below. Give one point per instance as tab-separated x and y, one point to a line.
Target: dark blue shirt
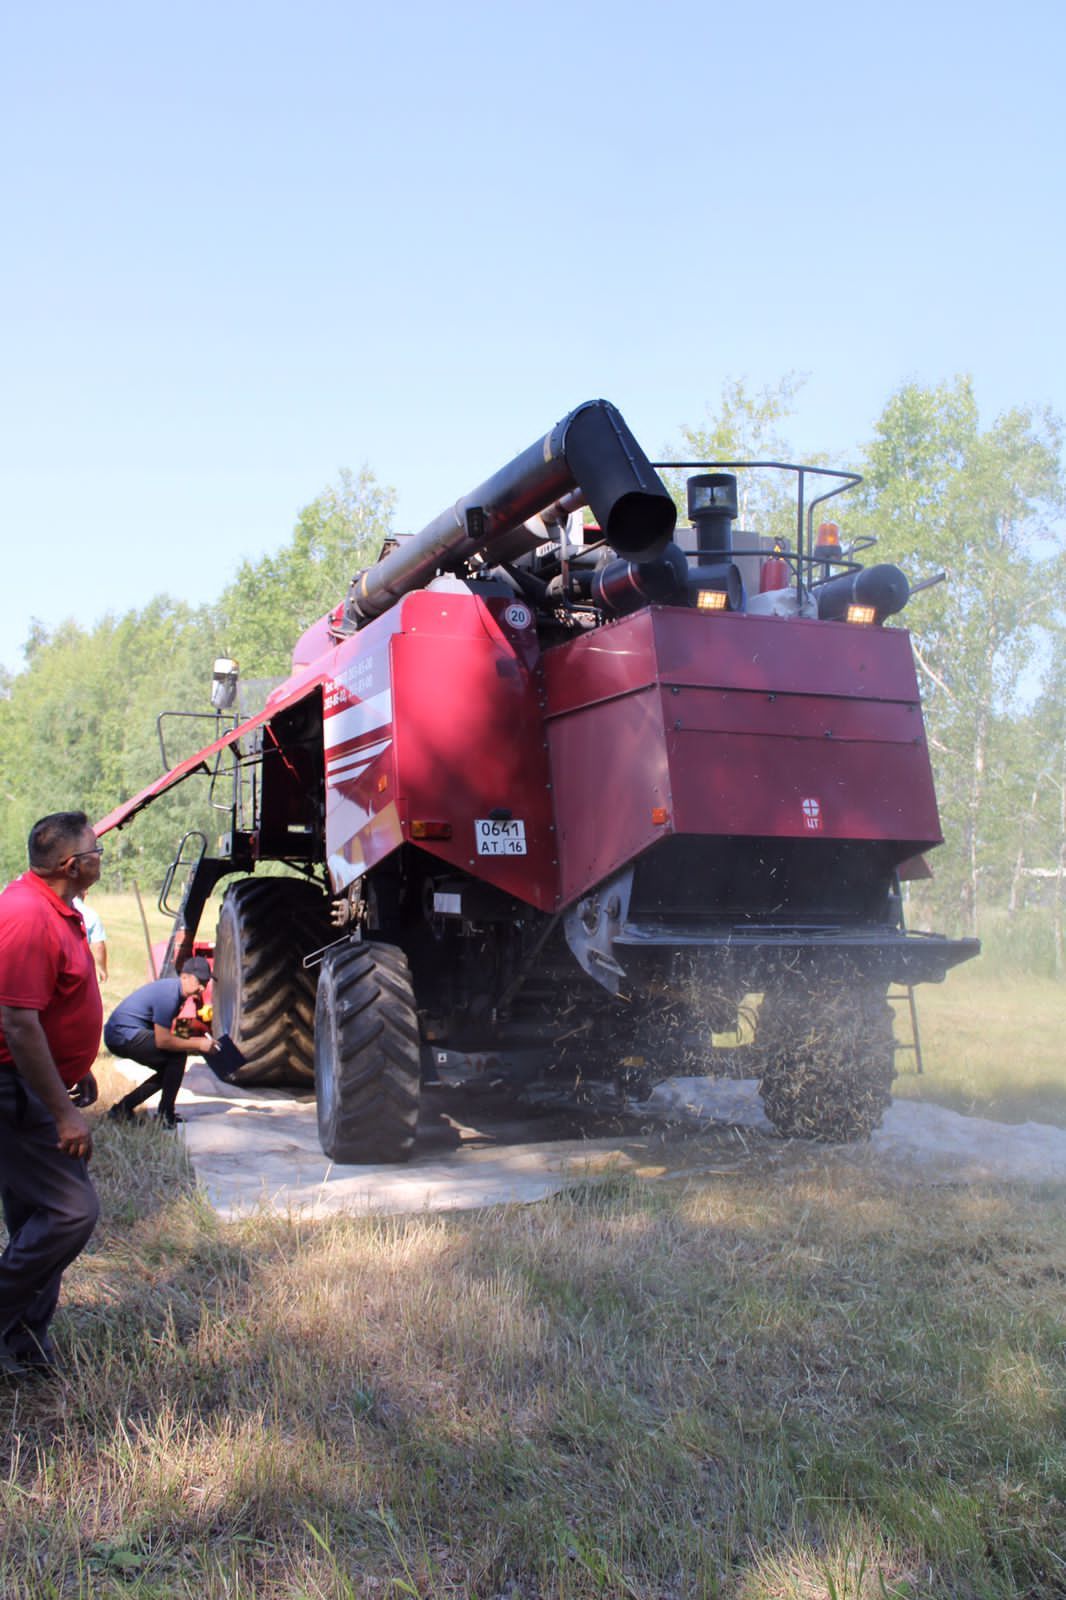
156	1002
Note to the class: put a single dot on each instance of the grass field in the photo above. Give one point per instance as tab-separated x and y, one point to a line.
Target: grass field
992	1046
758	1390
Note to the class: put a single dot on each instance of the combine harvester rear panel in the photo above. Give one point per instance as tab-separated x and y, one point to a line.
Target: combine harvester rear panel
559	798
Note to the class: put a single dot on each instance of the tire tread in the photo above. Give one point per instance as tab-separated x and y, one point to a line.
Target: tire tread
367	1040
273	923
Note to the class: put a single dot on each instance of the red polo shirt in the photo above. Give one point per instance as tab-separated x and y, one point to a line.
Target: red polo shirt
46	966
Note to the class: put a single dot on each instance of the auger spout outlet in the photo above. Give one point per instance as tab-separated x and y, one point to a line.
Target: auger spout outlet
591	451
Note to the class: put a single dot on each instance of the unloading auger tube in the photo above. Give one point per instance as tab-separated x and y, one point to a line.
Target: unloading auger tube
591	450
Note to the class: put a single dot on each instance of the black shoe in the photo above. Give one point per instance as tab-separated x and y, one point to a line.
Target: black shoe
39	1357
120	1112
29	1346
170	1121
26	1367
11	1367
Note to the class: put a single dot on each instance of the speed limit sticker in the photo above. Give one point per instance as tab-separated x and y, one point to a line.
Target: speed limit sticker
517	616
500	838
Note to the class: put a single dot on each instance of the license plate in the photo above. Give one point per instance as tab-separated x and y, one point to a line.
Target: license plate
500	838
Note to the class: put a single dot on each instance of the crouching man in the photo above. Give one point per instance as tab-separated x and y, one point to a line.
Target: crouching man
141	1029
50	1015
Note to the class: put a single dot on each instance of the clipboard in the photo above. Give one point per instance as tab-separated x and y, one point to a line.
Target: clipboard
225	1059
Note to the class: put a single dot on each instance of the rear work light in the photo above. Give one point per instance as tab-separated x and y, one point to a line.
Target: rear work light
864	614
711	600
431	830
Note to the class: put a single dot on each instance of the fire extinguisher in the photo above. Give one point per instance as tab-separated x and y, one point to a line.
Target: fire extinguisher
775	572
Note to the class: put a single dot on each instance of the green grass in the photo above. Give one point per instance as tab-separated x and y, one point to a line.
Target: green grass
127	947
993	1046
768	1388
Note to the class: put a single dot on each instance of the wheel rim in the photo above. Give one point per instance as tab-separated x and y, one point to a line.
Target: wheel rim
226	980
325	1046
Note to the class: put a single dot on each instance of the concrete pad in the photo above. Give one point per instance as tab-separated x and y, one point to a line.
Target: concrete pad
253	1148
928	1141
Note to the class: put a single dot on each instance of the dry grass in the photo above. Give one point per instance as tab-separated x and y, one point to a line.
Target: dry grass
737	1387
729	1388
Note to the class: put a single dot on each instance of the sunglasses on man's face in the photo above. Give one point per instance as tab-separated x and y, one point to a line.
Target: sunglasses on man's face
78	854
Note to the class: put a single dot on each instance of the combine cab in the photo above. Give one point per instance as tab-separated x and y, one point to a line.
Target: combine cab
560	800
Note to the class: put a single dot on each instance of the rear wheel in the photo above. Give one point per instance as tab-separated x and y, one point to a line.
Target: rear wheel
828	1059
367	1058
263	997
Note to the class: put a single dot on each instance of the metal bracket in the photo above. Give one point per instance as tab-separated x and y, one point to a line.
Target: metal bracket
594	922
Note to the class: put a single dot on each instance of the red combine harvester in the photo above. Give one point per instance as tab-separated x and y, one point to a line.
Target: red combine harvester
558	800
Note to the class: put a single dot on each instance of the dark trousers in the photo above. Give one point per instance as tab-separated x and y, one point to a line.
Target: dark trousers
168	1069
50	1208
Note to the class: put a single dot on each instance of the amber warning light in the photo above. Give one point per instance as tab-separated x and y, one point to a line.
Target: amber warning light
827	542
431	830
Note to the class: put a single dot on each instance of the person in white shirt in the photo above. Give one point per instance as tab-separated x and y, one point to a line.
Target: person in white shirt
94	930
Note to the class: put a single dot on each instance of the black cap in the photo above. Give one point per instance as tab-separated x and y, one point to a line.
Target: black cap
197	967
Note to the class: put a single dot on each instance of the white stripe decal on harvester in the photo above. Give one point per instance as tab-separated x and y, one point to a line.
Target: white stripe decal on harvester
357	758
346	775
369	716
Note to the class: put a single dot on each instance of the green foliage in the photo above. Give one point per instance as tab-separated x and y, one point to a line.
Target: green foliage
78	730
943	494
746	427
273	600
78	725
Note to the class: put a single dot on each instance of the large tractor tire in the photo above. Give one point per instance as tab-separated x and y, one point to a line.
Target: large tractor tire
263	996
367	1056
827	1059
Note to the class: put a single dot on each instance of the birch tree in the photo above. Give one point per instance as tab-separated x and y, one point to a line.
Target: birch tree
273	599
942	493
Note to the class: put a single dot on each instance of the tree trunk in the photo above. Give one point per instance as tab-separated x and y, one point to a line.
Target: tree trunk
977	792
1019	861
1057	904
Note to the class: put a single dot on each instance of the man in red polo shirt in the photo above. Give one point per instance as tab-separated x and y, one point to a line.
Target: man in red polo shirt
50	1019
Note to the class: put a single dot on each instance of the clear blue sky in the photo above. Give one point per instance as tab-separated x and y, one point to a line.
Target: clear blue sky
248	245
